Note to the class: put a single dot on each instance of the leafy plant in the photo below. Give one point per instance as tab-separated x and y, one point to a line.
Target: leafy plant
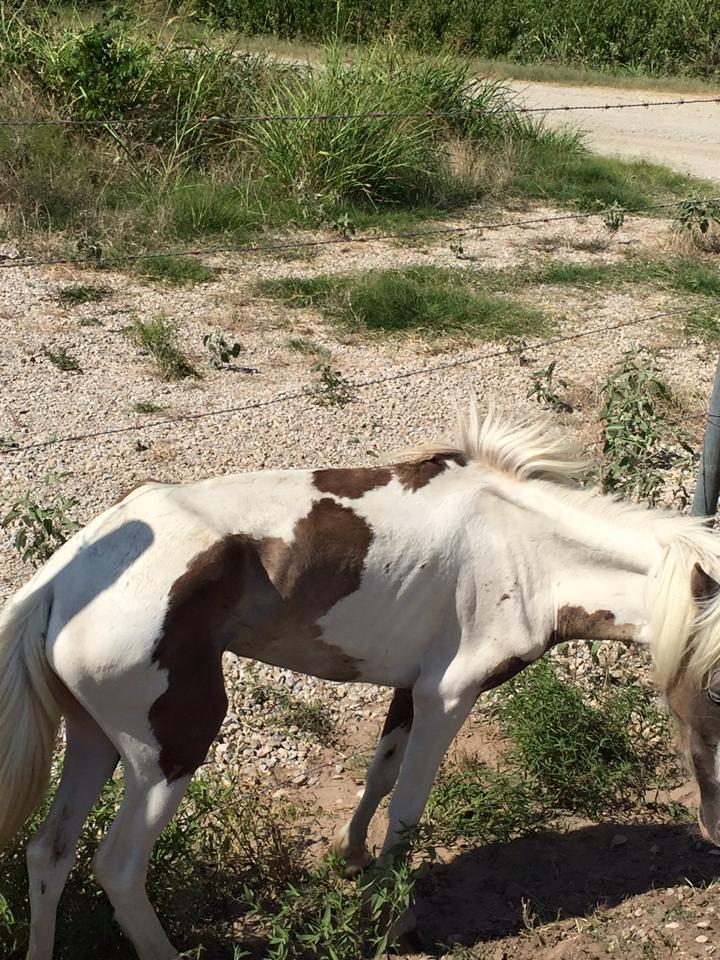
158	338
332	389
221	352
613	217
147	406
544	389
697	214
327	919
62	359
39	527
641	448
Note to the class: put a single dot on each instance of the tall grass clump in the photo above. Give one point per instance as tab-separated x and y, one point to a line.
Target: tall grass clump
178	172
400	158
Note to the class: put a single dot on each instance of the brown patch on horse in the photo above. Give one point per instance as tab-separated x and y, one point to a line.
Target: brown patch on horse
261	599
703	587
351	483
576	623
400	712
503	672
136	486
414	475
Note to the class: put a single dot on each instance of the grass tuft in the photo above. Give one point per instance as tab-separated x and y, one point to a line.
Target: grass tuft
428	301
62	359
147	406
176	271
79	293
158	338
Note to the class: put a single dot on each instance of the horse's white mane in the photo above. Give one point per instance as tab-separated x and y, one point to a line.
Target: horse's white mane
527	449
683	635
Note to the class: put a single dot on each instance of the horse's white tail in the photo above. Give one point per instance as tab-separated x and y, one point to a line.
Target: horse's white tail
29	709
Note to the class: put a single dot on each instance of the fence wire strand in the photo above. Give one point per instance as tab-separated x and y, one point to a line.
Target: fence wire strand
305	392
204	121
8	262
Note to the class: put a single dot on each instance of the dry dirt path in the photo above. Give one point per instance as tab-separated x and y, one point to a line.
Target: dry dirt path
686	138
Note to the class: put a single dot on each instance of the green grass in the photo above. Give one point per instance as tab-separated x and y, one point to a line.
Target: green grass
428	301
575	177
175	271
79	293
158	338
678	274
150	186
147	406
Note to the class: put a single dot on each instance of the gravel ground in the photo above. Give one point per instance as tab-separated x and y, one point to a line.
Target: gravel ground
41	404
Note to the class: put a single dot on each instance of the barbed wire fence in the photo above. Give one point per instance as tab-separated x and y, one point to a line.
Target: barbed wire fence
96	258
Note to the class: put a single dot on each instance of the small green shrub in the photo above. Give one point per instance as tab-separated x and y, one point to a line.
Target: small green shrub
221	352
147	406
332	388
544	389
325	918
586	758
640	445
39	526
158	338
472	802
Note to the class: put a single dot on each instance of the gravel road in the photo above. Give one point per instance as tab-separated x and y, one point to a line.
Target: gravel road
685	137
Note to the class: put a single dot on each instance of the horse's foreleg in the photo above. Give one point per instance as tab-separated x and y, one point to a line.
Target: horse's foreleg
381	776
438	715
90	759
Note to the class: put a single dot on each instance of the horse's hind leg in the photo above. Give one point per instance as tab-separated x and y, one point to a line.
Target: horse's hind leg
90	759
382	773
121	862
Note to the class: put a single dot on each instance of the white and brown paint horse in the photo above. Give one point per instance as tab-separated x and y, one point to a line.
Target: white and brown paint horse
440	576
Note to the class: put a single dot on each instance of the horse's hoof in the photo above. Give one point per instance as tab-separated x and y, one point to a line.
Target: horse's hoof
354	857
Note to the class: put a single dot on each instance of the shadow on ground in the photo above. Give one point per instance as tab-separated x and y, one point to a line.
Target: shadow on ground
478	896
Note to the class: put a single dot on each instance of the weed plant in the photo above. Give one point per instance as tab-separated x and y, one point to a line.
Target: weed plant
586	758
644	455
158	338
38	524
79	293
